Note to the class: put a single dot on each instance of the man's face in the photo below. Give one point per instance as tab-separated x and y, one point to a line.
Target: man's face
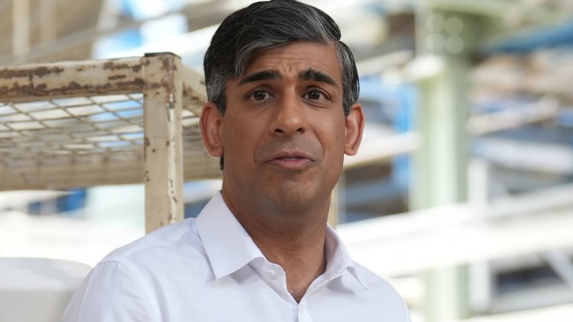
284	133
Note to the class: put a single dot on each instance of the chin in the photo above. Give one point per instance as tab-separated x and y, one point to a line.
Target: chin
293	197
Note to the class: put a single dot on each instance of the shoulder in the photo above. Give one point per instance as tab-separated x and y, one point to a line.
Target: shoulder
164	248
110	293
384	293
129	281
377	284
177	238
372	280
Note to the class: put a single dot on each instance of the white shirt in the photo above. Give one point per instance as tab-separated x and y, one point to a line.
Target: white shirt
209	269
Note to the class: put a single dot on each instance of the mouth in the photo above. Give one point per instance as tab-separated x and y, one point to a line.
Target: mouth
290	160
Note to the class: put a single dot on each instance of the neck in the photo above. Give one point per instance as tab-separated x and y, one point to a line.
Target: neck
295	241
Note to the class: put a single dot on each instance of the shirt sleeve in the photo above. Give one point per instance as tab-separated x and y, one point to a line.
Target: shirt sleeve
110	293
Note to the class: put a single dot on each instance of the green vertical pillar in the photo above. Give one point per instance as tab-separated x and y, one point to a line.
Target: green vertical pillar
440	165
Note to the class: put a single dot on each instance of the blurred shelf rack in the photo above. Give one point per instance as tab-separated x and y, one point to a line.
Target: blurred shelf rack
103	122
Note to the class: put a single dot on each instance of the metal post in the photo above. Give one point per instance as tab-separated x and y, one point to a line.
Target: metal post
440	165
333	209
163	141
48	20
21	27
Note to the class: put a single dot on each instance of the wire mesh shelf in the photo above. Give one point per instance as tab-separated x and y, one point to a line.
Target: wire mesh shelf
78	124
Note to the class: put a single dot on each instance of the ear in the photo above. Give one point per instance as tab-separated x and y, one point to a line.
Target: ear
211	122
354	127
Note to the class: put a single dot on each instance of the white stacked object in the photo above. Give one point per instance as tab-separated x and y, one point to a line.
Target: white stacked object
37	289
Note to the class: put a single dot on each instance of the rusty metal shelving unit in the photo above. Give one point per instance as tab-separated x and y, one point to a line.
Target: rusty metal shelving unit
102	122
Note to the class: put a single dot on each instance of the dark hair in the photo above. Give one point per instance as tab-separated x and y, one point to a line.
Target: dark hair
270	24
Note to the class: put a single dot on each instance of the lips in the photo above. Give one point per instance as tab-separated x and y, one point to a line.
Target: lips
289	160
289	155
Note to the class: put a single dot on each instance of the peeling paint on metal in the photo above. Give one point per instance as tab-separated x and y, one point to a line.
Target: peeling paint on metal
8	73
115	66
42	90
167	62
116	77
168	110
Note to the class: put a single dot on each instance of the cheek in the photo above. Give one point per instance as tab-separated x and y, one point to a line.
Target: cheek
239	136
333	131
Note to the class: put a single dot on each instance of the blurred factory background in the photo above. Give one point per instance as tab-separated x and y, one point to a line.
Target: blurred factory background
462	193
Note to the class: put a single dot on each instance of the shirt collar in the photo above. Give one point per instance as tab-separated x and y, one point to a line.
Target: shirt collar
338	258
228	246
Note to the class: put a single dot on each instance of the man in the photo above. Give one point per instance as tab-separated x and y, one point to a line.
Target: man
282	111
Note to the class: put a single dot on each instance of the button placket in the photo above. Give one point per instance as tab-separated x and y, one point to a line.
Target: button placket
303	315
274	276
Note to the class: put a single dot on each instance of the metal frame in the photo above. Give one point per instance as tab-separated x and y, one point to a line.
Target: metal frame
170	149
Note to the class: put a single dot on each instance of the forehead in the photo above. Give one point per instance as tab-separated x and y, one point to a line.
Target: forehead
296	57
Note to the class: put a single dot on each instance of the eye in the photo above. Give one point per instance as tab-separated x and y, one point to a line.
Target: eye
315	95
259	95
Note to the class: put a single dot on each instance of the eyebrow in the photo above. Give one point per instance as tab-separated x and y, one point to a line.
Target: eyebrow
318	76
309	74
259	76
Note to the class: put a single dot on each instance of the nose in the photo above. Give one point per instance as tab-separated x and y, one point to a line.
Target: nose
288	118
